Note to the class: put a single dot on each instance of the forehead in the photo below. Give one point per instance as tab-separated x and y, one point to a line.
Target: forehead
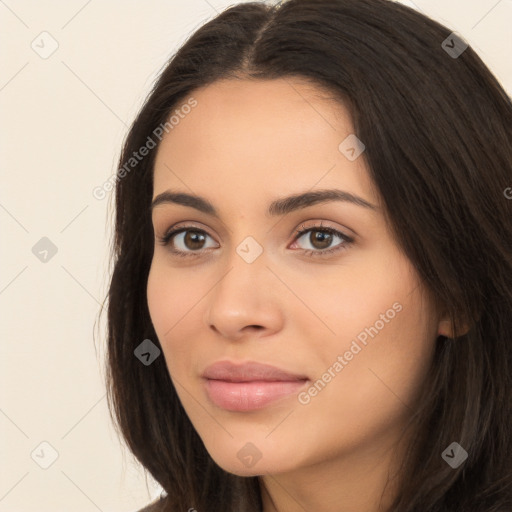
251	138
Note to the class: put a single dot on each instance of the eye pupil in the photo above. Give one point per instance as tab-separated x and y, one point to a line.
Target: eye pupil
321	236
193	241
193	236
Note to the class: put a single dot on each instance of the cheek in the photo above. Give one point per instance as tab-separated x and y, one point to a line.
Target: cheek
160	302
384	363
172	297
374	394
171	294
349	301
385	332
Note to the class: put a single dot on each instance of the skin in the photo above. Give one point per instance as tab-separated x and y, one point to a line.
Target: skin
245	144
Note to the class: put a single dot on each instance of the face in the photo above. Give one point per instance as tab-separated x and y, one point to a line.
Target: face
337	307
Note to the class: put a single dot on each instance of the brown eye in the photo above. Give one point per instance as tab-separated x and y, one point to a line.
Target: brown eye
321	238
193	240
189	240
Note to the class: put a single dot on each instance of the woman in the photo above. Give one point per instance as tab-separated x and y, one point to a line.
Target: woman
311	302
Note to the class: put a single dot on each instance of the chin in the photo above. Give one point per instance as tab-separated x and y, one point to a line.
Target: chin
246	461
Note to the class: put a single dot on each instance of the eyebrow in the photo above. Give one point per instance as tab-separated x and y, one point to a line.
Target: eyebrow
278	207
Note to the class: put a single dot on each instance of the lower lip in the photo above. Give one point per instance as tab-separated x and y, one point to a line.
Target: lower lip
249	396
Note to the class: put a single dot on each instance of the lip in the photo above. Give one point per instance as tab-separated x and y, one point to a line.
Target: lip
249	386
249	371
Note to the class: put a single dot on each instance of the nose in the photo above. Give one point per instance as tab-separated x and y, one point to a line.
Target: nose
245	301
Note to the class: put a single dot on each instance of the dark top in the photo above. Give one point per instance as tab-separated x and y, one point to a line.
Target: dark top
152	507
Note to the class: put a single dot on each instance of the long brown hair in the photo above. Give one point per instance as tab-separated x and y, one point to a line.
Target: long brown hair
437	127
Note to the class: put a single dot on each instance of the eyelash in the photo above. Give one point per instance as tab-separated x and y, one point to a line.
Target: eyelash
298	233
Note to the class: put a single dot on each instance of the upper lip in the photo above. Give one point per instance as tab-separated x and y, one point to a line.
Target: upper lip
247	372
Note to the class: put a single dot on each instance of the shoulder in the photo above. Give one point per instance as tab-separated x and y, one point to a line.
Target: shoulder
152	507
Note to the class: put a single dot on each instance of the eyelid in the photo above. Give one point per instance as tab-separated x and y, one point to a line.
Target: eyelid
187	225
302	226
180	227
347	240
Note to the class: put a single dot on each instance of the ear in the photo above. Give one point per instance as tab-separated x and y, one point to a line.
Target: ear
445	328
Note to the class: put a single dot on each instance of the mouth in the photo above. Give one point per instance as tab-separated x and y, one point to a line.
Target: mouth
249	386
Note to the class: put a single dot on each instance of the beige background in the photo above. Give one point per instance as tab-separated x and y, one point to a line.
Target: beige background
63	119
